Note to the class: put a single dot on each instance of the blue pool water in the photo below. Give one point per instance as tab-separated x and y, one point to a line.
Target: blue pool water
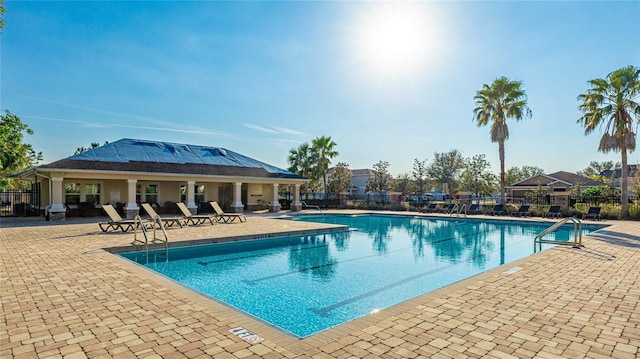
306	284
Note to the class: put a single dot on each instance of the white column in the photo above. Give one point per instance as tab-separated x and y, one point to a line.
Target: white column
275	204
191	196
238	207
57	202
131	195
274	201
296	205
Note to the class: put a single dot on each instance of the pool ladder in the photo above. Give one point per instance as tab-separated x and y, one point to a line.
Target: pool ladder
157	223
577	234
462	210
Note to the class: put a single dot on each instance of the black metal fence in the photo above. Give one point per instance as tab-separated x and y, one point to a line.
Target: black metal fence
21	203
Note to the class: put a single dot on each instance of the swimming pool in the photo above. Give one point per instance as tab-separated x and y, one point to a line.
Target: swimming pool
305	284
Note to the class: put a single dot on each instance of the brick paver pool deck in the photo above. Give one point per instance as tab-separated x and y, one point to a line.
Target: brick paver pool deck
64	297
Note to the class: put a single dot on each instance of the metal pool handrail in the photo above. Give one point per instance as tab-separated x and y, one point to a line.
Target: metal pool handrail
577	234
463	210
140	224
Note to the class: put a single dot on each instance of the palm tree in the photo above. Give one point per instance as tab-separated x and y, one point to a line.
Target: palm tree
301	161
614	100
496	103
324	149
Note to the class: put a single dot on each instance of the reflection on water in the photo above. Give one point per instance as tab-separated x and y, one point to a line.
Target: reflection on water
453	240
317	262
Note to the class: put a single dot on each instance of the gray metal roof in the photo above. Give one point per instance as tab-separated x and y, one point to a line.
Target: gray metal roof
152	156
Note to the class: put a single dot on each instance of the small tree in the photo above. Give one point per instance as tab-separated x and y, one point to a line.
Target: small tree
340	179
402	184
381	180
598	194
595	169
477	177
446	168
535	196
14	154
420	176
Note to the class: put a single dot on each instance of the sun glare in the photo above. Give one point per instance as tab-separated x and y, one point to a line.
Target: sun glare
393	38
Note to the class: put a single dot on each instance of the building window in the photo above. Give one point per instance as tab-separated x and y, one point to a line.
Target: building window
151	193
72	193
183	193
199	193
92	193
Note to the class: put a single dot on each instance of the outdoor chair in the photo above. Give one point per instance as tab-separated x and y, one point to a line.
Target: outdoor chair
432	207
497	210
593	213
523	211
227	217
474	209
195	218
448	209
116	222
169	221
304	205
553	212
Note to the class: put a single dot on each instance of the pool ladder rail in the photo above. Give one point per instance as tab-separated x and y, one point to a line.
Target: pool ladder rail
462	210
157	224
577	234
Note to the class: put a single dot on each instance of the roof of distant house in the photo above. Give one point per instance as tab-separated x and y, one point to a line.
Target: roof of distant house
617	173
560	176
163	157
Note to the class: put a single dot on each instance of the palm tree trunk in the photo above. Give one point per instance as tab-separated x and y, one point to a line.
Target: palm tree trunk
501	153
624	195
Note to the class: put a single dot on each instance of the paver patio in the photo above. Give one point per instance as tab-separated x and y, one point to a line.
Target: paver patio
64	297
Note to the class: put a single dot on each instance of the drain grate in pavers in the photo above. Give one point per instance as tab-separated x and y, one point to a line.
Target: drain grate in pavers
247	336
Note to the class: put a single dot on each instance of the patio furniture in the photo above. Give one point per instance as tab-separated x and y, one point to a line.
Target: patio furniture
474	209
593	213
169	221
553	212
523	211
195	218
116	222
227	217
497	210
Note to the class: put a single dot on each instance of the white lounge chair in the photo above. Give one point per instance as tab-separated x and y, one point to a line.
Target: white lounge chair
195	218
227	217
169	221
117	222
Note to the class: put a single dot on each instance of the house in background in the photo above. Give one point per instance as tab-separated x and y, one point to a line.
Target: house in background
633	174
133	171
557	186
359	180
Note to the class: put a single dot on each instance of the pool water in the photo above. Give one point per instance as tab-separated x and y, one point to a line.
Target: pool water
305	284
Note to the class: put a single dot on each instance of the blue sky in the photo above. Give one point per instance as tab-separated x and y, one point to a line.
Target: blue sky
388	81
